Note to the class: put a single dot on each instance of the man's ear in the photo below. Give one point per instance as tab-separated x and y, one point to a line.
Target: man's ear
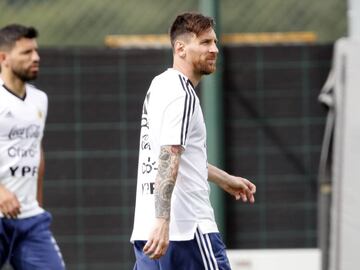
2	56
179	48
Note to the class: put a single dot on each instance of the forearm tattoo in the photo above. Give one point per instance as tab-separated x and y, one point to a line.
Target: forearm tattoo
168	168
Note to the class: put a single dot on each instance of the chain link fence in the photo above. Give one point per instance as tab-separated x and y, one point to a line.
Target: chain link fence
87	23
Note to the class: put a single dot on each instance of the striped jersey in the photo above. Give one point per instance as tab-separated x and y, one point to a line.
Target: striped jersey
22	124
172	116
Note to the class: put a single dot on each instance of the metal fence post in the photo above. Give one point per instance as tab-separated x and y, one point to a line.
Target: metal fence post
211	94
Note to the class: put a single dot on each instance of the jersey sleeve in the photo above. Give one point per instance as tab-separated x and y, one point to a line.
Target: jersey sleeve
46	105
176	118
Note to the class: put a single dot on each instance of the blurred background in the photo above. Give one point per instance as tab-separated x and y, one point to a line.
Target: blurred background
272	122
86	23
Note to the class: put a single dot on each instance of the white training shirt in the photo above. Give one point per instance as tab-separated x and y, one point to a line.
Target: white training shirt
172	116
22	124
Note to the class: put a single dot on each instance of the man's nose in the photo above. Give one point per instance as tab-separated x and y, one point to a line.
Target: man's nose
214	48
35	56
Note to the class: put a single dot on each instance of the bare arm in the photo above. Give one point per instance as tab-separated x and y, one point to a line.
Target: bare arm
41	173
236	186
168	168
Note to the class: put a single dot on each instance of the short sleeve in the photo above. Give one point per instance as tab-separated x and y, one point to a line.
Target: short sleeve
175	123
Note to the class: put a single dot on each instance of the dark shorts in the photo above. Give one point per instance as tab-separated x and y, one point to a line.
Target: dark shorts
205	251
28	244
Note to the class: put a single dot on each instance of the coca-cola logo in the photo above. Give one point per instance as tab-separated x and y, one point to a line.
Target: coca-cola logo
32	131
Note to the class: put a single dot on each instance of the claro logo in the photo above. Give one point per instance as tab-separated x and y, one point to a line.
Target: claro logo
32	131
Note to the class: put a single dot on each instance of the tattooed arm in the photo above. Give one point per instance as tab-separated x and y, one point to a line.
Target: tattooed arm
168	168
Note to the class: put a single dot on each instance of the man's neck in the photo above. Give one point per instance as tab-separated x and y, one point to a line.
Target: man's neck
13	84
195	79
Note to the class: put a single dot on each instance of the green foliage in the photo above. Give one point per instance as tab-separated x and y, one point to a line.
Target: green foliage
327	18
87	22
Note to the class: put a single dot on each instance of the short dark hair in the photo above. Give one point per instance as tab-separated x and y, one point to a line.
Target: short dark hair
190	22
13	32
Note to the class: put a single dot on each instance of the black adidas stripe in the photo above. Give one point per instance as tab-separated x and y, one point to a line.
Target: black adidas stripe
189	106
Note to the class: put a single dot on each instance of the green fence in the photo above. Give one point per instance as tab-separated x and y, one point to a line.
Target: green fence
273	131
91	139
88	22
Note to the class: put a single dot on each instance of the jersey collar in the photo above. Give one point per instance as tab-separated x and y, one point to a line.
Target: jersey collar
11	92
182	74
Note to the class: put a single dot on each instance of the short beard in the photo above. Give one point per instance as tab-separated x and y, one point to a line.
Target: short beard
24	76
206	71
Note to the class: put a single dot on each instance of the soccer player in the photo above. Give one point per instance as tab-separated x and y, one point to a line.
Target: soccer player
25	238
174	224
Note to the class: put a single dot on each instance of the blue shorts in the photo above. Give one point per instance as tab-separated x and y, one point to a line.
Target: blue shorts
28	244
205	251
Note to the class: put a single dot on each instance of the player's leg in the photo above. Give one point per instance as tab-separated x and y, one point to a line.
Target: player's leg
183	255
213	251
143	262
35	247
4	244
204	252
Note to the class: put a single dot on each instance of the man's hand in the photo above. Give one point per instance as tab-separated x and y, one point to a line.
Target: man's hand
236	186
9	204
240	188
158	241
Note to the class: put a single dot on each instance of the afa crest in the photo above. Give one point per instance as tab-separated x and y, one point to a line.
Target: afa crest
40	114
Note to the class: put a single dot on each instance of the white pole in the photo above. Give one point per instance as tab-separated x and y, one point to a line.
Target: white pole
354	19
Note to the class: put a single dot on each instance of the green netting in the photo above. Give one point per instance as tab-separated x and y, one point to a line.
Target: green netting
87	23
273	131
